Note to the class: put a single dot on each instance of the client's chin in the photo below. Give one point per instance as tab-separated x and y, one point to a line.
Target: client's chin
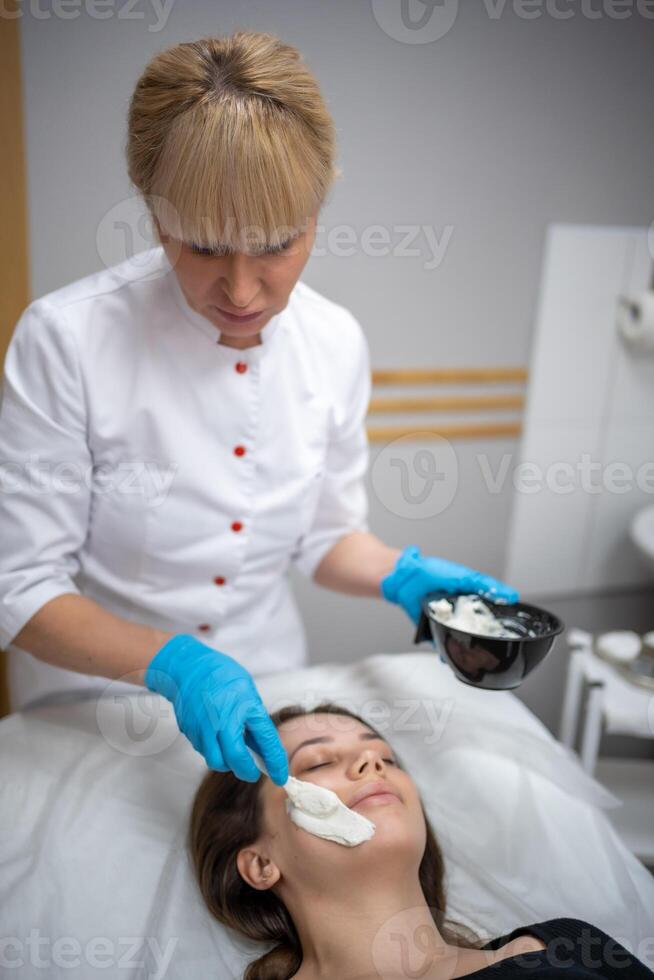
398	829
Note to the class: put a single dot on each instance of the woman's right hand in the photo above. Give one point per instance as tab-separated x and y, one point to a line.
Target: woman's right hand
217	707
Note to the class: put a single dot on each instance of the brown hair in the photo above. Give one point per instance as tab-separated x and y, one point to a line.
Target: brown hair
227	816
230	129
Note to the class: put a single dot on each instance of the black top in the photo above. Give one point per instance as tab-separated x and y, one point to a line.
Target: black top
576	950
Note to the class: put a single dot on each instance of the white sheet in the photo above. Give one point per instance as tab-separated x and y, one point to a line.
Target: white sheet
93	817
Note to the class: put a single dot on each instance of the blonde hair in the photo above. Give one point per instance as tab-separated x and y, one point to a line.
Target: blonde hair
229	133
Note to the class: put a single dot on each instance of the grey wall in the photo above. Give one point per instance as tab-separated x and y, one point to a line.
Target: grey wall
494	130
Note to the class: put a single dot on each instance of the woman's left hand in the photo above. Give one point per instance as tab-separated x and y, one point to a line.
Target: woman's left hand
415	575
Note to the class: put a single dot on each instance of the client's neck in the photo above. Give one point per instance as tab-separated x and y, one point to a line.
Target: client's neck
380	929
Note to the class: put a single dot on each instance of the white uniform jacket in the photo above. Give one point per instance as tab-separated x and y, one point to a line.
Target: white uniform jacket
171	478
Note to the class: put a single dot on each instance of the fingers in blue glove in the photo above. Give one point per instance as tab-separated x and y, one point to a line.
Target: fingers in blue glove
236	755
264	738
244	718
415	575
217	705
259	732
493	589
225	711
210	748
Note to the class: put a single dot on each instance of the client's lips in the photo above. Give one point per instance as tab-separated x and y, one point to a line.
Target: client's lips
372	789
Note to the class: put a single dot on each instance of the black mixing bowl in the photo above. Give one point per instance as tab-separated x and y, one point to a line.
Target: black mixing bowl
491	662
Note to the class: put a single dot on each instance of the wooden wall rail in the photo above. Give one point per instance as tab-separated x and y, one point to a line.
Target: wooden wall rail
450	403
448	376
491	430
485	405
14	294
14	285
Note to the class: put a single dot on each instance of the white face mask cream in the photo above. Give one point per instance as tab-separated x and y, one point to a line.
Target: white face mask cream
470	615
321	812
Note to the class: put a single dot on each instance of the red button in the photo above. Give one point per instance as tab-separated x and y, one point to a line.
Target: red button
236	526
219	580
241	367
239	450
204	627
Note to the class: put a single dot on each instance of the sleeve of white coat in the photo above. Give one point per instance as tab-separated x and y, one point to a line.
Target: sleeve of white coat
44	470
343	501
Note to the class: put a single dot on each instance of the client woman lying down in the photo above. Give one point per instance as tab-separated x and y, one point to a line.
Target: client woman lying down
376	910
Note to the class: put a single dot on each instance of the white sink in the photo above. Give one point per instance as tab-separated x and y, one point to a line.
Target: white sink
641	532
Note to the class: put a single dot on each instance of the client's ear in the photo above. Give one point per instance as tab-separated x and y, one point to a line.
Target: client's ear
256	869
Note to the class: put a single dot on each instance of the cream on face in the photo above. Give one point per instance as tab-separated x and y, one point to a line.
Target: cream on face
321	812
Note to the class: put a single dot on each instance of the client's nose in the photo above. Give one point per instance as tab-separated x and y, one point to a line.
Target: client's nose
369	759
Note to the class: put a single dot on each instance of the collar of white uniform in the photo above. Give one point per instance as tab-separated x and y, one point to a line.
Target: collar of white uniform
213	333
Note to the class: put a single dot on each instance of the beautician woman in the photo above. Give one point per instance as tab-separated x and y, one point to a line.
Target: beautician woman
179	428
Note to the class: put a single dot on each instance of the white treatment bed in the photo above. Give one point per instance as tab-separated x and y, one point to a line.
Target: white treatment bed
95	797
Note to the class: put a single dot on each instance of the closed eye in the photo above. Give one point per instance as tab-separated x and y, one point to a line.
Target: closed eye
321	764
276	249
200	250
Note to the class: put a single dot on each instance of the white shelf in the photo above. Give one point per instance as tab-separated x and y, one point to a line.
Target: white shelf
611	705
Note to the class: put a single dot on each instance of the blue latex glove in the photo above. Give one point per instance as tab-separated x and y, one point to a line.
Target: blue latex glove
218	708
415	575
